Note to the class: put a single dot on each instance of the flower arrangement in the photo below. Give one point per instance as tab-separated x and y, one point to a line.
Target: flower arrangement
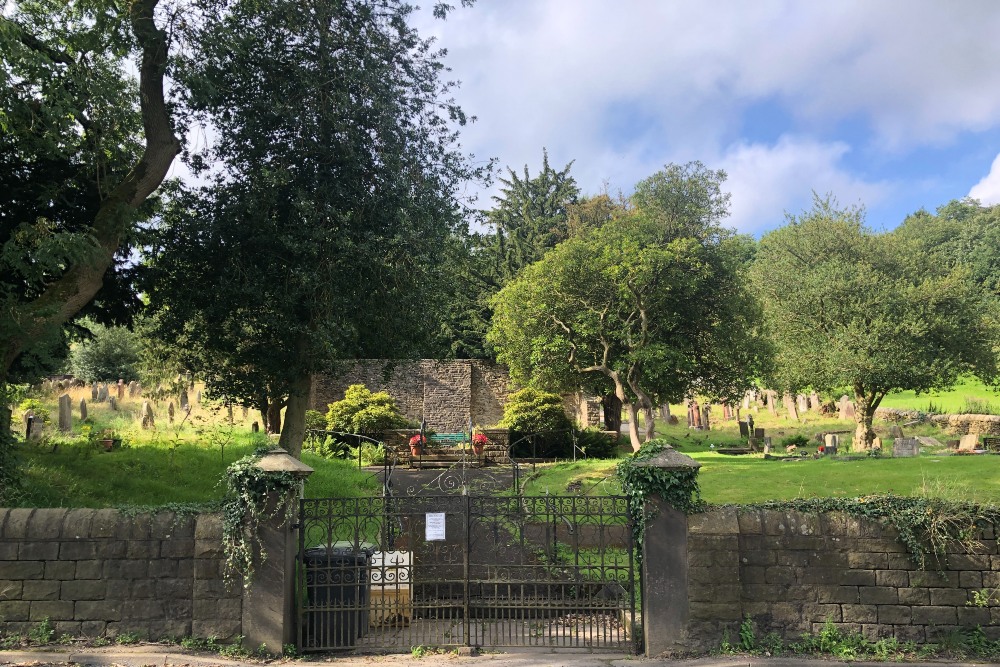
417	443
479	442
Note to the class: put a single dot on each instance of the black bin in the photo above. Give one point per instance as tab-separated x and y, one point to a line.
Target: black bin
337	578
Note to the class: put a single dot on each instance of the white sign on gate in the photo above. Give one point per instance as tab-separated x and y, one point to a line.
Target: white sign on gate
435	526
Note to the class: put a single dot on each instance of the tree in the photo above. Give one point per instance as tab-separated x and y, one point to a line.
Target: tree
111	354
656	315
850	308
333	188
83	144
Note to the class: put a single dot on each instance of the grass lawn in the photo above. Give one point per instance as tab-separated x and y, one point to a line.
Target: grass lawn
955	400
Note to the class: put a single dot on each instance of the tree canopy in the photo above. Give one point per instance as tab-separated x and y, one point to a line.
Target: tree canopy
847	307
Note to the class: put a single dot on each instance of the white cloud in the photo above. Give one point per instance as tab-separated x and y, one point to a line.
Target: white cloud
987	191
768	181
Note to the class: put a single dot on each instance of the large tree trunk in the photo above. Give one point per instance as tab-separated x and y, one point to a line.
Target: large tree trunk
65	297
294	430
645	404
633	426
612	407
272	417
865	405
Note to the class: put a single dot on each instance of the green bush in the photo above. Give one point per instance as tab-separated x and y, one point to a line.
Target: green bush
530	411
363	411
596	444
112	354
36	405
798	440
315	420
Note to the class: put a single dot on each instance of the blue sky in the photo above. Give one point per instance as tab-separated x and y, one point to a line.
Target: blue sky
894	104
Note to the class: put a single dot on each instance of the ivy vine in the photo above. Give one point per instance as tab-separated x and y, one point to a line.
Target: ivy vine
926	526
252	496
678	488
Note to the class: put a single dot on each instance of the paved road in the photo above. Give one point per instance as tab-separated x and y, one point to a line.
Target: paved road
157	656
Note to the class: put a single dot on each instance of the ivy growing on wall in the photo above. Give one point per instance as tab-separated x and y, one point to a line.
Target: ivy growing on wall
677	488
252	497
926	526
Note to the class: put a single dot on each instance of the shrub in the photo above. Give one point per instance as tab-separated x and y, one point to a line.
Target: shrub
112	353
597	445
315	420
798	440
530	411
363	411
36	405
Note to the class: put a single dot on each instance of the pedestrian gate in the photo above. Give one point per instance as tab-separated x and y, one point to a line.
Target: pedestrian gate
488	571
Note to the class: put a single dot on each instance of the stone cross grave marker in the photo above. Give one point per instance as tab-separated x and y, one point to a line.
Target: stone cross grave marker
65	414
83	409
905	447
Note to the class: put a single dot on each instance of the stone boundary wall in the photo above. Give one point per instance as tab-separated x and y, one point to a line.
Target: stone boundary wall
446	393
102	572
960	424
793	571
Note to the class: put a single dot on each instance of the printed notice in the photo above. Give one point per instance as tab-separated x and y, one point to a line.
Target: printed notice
435	526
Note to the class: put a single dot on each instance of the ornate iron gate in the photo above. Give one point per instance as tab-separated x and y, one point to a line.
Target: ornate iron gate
474	570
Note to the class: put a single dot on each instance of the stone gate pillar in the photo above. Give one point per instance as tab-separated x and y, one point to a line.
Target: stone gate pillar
269	604
665	564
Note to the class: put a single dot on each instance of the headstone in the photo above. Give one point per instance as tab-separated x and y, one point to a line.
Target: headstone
29	422
102	393
895	431
184	399
131	389
121	389
746	400
905	447
255	427
758	433
696	415
170	412
767	446
83	410
744	430
968	443
842	407
148	419
772	402
705	425
65	414
37	429
93	393
952	444
802	403
138	389
197	397
849	410
831	442
814	404
789	403
246	413
113	402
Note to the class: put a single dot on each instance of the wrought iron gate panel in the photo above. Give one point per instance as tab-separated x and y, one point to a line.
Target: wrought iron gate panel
510	571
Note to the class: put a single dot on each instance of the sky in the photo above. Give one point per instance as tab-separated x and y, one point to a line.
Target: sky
891	104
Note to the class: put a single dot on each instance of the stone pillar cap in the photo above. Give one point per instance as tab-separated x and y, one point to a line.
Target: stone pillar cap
669	459
278	460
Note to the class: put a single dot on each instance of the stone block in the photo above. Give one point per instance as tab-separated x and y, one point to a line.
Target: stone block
178	608
76	524
173	589
144	610
844	628
780	575
873	631
775	522
108	549
224	629
894	578
46	524
711	611
143	589
968	562
207	549
752	574
700	543
859	613
970	617
949	597
717	522
163	567
35	550
40	589
137	527
13	610
185	568
205	568
821	612
755	557
857	577
799	559
230	609
713	575
750	522
859	528
878	595
54	610
970	579
117	589
106	523
835	594
8	550
83	589
935	579
802	523
766	592
82	550
126	569
208	589
902	562
823	575
208	527
93	628
171	629
991	579
182	547
868	561
874	545
892	614
144	549
914	596
934	616
10	590
60	570
16	525
26	569
89	569
71	628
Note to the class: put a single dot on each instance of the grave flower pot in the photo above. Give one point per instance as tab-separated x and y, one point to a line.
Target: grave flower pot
479	442
417	443
108	444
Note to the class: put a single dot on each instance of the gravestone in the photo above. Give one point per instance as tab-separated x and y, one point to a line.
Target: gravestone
789	403
37	428
849	410
704	417
170	412
138	389
83	410
895	431
113	402
802	403
905	447
65	414
197	397
28	421
767	446
184	399
831	443
131	389
758	433
814	404
93	393
102	393
744	430
148	419
246	413
121	389
842	407
772	402
746	400
968	443
255	427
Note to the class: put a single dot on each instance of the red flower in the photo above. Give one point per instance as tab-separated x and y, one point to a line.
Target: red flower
418	440
480	439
